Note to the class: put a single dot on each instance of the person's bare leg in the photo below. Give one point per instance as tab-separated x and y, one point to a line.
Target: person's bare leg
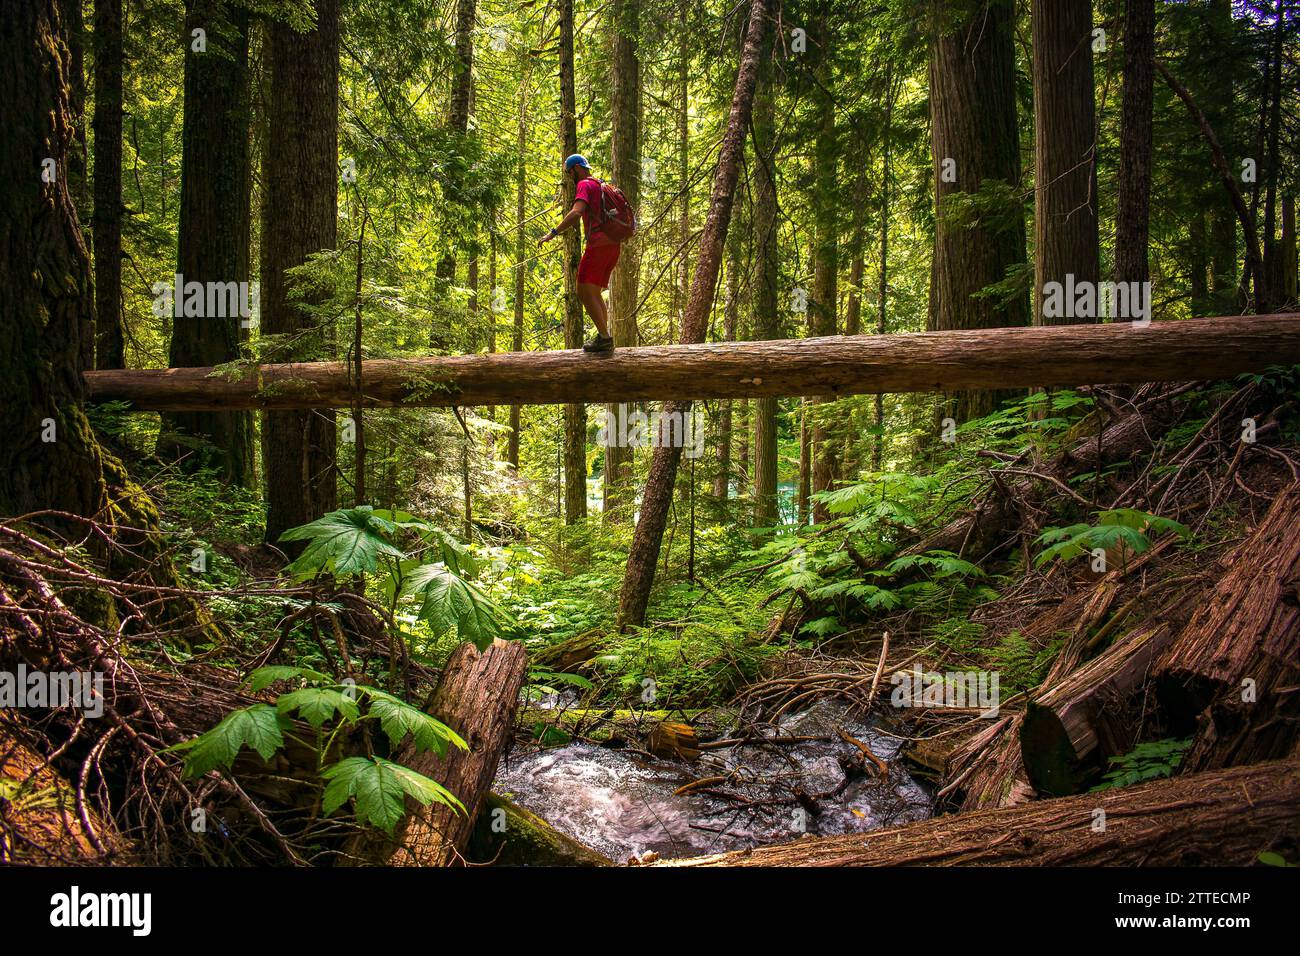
593	300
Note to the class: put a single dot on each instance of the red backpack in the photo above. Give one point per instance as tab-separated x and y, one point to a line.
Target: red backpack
617	217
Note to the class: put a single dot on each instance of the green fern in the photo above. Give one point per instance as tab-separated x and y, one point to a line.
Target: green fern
1121	529
1152	760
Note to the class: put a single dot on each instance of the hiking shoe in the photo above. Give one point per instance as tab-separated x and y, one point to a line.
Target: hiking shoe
599	343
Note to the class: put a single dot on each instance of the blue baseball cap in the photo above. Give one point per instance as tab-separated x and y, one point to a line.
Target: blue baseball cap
577	159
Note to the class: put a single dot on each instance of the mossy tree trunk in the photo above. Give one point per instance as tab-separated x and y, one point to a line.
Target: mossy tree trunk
575	415
976	149
213	231
823	315
109	340
1132	228
763	304
625	153
1065	152
299	218
49	459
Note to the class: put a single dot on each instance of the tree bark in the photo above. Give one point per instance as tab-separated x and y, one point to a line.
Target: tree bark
1115	353
976	147
1219	102
74	24
462	84
1065	143
764	295
681	285
882	290
644	553
1271	260
1290	276
857	261
521	258
1133	218
1224	818
463	79
74	27
213	232
575	415
1233	669
110	344
824	314
299	218
730	321
803	490
625	150
49	459
743	426
476	697
1199	261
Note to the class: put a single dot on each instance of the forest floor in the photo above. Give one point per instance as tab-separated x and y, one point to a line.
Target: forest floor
775	690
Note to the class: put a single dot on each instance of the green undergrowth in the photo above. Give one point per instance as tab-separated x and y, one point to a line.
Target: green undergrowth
702	643
720	586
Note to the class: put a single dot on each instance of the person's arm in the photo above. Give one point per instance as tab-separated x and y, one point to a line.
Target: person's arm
573	215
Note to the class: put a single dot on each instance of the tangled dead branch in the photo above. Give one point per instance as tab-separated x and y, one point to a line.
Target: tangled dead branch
109	789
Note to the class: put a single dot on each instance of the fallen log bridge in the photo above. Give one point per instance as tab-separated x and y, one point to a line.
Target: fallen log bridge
1115	353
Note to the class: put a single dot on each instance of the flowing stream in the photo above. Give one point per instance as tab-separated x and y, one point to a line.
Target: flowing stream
623	803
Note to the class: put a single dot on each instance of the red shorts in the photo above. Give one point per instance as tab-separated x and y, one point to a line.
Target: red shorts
598	263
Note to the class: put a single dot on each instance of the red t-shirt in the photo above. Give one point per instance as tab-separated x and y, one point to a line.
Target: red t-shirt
589	192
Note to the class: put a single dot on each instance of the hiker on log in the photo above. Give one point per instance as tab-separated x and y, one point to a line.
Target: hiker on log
608	221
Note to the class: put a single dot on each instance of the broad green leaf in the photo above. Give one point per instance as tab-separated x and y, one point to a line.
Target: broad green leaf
379	788
452	551
398	719
799	579
318	704
343	542
883	600
264	677
256	727
834	589
448	600
823	626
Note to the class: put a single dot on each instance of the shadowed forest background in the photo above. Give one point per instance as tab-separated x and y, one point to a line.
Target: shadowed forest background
346	634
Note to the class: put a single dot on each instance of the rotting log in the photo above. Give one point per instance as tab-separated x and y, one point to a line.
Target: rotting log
987	768
1084	715
507	834
602	724
834	366
1234	668
1224	817
477	698
570	654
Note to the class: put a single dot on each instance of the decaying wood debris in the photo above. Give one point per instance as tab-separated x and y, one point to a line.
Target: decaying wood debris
1226	817
1234	668
1086	712
476	697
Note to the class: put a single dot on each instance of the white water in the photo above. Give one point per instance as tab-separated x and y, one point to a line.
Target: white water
622	804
